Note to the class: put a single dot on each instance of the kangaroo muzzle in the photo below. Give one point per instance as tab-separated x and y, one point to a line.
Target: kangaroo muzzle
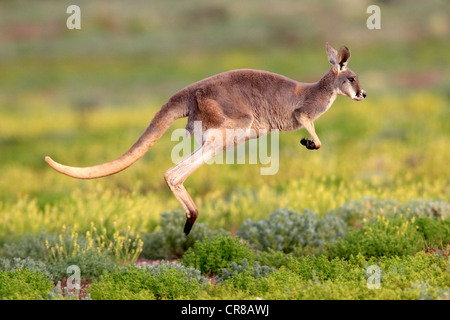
361	95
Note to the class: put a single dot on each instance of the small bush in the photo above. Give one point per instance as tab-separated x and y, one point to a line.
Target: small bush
30	245
436	209
91	263
122	246
287	229
428	292
435	231
353	212
169	241
383	237
243	277
273	258
421	276
277	285
321	268
210	256
58	252
27	263
157	282
256	272
58	293
190	272
23	284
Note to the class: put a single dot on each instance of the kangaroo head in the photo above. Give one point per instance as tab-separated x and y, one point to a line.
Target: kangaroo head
346	81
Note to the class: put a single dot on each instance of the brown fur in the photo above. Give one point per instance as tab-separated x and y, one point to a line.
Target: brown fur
237	99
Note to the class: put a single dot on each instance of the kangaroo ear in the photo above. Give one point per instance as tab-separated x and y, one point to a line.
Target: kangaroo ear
332	55
343	57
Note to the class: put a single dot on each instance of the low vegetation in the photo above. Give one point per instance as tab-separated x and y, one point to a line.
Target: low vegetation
401	254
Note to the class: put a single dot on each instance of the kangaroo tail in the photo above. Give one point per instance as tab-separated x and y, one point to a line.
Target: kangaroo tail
159	124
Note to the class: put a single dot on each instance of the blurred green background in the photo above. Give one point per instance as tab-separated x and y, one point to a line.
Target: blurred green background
85	96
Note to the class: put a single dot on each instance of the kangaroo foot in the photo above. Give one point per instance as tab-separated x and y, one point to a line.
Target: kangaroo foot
189	223
309	144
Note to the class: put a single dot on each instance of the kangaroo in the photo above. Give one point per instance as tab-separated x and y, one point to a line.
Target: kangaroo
245	100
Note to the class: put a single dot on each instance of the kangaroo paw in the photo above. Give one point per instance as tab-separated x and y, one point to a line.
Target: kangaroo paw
187	227
309	144
189	223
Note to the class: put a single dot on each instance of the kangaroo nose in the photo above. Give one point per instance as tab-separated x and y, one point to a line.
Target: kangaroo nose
364	94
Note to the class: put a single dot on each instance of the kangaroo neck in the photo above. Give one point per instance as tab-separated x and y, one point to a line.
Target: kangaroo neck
318	96
326	85
326	92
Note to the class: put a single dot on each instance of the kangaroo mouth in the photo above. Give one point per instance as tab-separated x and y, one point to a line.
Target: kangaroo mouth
360	96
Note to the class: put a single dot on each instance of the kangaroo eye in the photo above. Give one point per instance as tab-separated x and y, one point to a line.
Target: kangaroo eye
351	79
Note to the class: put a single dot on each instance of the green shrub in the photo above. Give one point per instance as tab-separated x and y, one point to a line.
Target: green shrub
91	263
244	278
428	292
321	268
108	289
436	209
256	272
286	229
132	282
190	272
30	245
210	256
27	263
421	276
273	258
23	284
57	293
169	241
280	284
58	252
354	211
382	237
435	231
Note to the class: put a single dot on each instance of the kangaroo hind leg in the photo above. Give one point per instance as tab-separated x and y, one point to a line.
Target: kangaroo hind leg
176	176
214	143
